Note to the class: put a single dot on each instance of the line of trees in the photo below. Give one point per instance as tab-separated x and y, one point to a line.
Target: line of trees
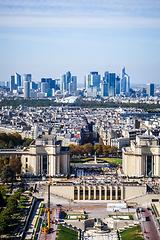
12	140
79	103
11	204
88	149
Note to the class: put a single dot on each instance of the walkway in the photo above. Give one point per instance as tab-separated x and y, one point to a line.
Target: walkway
53	232
148	227
32	221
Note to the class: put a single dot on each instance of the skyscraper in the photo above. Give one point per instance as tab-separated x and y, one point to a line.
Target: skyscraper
111	83
125	83
117	85
150	89
26	77
12	83
68	82
26	85
104	89
92	80
74	83
63	82
17	79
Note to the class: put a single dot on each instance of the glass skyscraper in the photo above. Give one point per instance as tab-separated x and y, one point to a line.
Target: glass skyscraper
150	89
125	83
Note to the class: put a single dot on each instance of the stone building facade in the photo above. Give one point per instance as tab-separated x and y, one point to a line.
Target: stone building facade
46	155
142	157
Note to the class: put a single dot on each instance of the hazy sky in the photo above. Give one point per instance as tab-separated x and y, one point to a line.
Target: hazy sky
47	38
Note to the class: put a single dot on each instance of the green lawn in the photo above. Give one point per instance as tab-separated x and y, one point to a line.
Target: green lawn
66	233
109	160
134	233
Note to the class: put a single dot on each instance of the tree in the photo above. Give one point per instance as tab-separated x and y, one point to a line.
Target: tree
7	174
3	161
5	218
106	149
12	203
10	144
98	148
113	150
88	148
15	164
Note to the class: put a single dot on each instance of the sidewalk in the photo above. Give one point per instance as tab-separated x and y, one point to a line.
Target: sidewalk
32	221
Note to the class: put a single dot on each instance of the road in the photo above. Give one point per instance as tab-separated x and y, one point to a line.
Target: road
53	232
149	226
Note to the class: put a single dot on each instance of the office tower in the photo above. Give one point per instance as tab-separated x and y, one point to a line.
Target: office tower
125	83
26	77
12	83
44	87
7	84
150	89
117	85
111	84
26	85
33	85
63	82
74	83
87	81
18	79
104	89
92	80
68	80
50	81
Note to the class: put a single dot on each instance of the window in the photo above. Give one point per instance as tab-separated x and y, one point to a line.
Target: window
26	159
45	163
26	166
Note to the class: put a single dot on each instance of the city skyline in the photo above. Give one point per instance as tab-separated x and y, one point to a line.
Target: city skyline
50	38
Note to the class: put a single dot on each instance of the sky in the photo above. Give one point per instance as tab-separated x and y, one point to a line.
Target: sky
47	38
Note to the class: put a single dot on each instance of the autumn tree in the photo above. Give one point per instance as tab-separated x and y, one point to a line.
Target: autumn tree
106	149
98	148
15	164
3	161
7	174
88	148
113	150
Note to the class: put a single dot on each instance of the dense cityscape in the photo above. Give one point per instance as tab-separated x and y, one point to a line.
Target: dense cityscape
79	120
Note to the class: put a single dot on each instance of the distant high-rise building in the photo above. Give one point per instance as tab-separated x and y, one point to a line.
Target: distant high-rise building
44	87
50	81
68	82
117	85
7	84
104	89
92	80
74	83
26	77
18	79
12	83
150	89
111	84
26	85
125	83
63	82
